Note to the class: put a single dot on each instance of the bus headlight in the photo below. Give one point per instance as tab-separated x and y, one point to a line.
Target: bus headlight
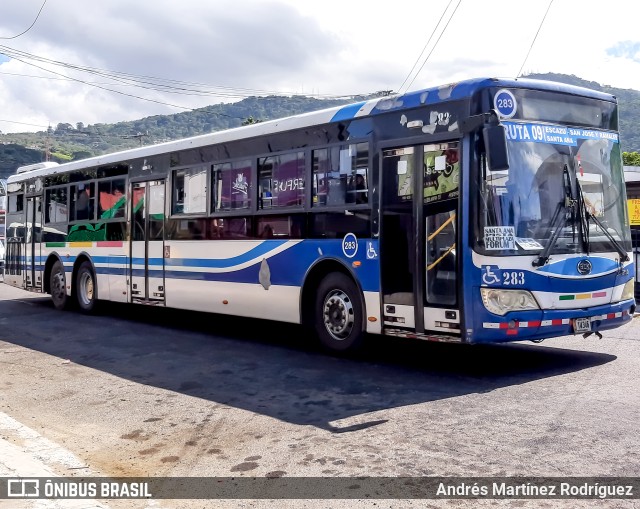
500	301
628	290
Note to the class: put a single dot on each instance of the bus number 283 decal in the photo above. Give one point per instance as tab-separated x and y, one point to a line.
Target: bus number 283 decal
510	278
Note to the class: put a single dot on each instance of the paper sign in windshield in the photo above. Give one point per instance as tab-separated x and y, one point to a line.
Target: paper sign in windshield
499	237
529	244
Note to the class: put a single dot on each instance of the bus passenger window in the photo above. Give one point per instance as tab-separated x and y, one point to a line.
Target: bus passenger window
232	186
56	208
267	232
340	175
216	229
111	202
83	202
281	227
189	191
16	202
359	187
281	181
236	228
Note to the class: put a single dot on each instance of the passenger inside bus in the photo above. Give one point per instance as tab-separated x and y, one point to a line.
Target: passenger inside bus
267	232
360	189
84	202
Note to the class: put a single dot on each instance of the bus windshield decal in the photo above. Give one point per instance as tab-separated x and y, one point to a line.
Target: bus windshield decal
499	237
545	133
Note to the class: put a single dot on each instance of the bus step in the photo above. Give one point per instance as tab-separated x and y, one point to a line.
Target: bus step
148	302
425	336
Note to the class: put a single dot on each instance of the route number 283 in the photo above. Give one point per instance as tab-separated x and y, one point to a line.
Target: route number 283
505	102
512	278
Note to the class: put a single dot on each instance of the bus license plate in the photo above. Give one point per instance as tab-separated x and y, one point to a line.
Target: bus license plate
582	325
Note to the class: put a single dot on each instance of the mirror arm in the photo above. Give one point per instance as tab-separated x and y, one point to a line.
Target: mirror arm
483	119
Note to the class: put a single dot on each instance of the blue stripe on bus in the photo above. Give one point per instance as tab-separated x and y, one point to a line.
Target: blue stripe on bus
569	266
151	273
112	271
218	263
348	112
433	95
251	255
536	282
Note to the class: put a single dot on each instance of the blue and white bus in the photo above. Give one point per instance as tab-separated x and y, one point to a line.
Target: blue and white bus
487	210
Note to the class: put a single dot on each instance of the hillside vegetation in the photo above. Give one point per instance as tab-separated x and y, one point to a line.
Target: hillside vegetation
67	142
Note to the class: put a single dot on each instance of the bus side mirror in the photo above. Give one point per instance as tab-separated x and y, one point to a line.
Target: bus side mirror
495	145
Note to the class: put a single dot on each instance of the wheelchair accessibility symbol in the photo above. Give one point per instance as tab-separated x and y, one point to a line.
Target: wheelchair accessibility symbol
490	274
372	254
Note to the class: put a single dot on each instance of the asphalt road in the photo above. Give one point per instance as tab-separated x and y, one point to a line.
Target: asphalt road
138	391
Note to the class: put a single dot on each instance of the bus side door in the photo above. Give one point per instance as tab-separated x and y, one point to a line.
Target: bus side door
147	242
419	269
32	238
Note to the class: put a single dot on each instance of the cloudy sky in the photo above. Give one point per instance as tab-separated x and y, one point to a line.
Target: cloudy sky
115	60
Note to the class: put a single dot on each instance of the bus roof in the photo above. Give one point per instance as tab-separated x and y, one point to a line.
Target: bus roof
434	95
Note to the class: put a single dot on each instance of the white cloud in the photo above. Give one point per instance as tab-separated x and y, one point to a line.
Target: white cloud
289	46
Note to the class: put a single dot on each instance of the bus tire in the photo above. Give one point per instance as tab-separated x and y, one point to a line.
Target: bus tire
339	314
58	286
86	288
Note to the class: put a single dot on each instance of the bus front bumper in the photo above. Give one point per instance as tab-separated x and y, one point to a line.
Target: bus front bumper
536	325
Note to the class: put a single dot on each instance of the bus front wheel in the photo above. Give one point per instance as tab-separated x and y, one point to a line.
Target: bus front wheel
86	288
58	285
339	313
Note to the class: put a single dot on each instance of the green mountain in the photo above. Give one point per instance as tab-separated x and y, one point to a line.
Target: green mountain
628	100
67	142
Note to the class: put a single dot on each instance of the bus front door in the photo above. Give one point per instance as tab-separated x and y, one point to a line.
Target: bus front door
418	238
32	238
147	242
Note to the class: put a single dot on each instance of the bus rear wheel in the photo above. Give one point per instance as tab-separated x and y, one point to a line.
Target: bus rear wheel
58	286
86	288
339	314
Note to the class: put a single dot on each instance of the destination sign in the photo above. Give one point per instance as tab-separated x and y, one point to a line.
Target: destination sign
559	135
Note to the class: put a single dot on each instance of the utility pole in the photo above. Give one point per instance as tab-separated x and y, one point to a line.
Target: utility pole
47	145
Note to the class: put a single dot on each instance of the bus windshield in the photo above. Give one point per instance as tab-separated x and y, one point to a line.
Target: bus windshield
551	191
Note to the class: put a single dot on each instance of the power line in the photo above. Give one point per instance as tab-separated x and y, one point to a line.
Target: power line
152	82
435	44
146	82
201	93
534	39
22	123
105	88
30	26
425	46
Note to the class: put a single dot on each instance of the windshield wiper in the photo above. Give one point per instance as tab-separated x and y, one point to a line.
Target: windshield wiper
559	219
584	212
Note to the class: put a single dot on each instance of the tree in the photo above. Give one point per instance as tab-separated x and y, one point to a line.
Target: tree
63	128
81	154
631	158
250	120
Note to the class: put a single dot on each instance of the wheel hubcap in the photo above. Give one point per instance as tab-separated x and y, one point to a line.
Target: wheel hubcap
85	288
338	314
58	288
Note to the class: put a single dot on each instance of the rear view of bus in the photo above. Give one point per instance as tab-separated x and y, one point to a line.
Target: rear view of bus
550	242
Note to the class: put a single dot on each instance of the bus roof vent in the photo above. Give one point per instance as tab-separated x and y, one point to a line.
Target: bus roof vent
37	166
